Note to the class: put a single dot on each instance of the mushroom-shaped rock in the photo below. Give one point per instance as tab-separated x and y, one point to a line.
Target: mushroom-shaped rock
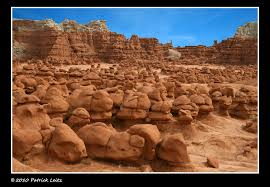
206	109
101	101
57	104
73	84
143	101
117	97
158	94
61	86
80	98
66	145
51	93
101	116
124	146
181	100
135	106
203	102
228	91
197	99
244	105
216	94
151	135
81	113
131	114
162	106
170	85
96	137
95	78
29	82
40	91
137	101
185	116
172	148
78	118
224	104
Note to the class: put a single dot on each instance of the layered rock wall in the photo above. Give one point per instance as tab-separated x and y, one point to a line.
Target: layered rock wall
196	51
240	49
70	42
237	51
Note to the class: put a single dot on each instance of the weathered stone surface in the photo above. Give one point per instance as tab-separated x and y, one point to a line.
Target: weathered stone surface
103	141
212	162
78	118
173	149
151	135
24	140
69	40
96	133
101	102
251	126
66	145
181	100
119	147
30	114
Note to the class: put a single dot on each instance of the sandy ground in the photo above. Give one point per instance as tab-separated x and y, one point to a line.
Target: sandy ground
84	67
210	66
223	138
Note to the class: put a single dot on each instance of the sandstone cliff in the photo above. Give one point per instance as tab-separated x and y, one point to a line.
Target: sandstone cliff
240	49
73	43
69	42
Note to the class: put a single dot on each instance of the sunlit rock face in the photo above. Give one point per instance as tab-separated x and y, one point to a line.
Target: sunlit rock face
249	30
70	42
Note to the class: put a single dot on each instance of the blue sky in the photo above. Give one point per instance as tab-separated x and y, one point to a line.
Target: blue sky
184	26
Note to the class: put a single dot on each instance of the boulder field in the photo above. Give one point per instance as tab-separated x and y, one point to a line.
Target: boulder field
95	101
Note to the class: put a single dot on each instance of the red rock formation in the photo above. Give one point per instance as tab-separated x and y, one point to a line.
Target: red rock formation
70	42
237	51
196	51
48	41
234	50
